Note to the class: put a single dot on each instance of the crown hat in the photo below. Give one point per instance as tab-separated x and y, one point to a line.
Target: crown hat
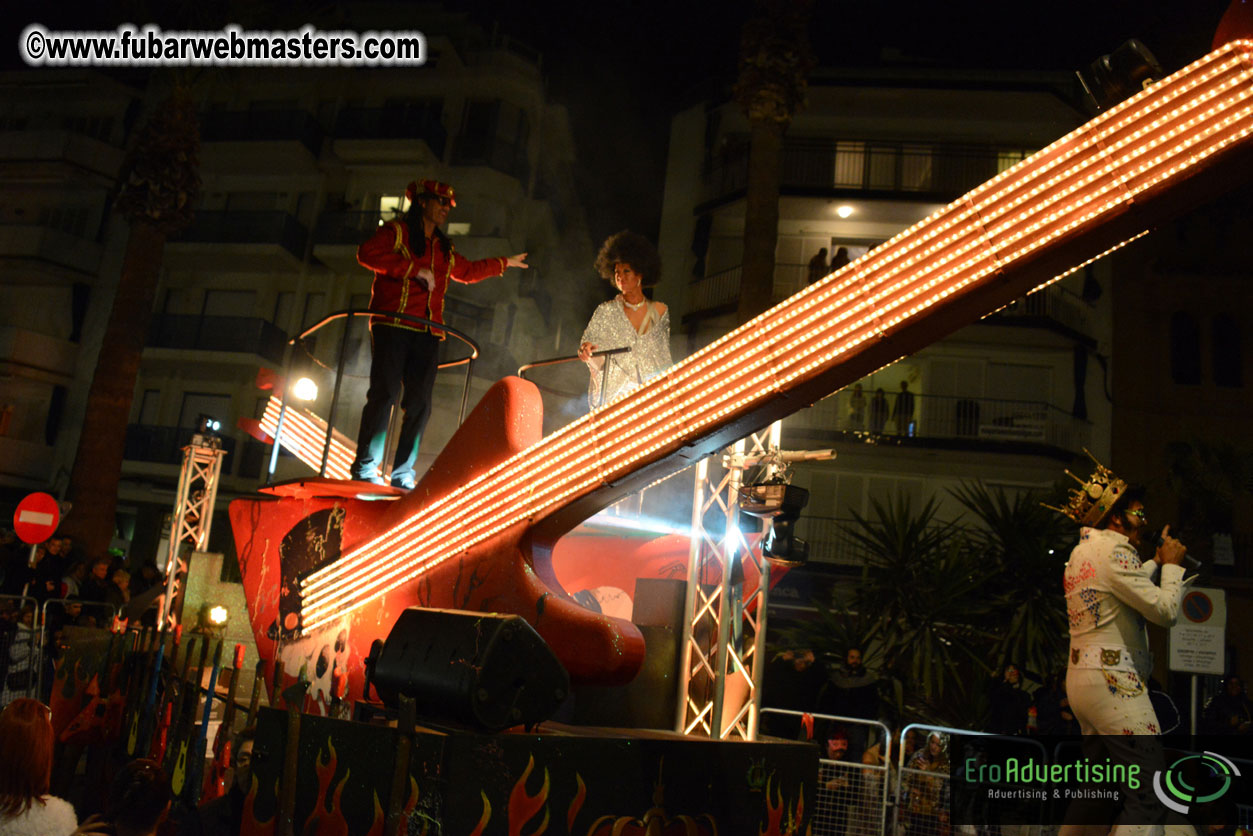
421	188
1092	501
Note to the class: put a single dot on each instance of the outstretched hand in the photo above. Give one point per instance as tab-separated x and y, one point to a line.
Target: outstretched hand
518	260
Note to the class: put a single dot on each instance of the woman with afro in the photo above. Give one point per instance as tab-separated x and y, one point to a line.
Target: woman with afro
629	320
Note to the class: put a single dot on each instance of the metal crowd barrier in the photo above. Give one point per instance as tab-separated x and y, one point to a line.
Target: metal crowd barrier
924	784
852	795
19	647
68	611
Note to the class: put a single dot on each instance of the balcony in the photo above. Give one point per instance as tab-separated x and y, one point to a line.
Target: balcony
945	421
164	445
932	172
263	126
340	228
508	158
1053	307
37	254
273	137
33	356
720	293
44	155
391	134
258	241
240	334
24	464
338	234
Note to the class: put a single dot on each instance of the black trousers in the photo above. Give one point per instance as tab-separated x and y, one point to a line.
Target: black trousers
406	360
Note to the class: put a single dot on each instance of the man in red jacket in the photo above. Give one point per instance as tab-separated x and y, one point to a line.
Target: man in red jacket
411	276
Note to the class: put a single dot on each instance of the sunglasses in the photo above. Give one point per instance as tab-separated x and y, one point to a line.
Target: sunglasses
1138	513
443	201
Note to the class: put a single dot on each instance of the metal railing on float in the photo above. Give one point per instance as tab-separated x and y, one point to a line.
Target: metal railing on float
348	315
570	358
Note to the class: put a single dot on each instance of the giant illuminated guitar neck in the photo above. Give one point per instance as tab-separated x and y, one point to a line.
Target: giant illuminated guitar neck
1179	141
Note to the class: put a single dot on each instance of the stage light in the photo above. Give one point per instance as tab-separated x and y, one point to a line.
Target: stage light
1124	72
207	424
767	495
844	210
218	615
305	389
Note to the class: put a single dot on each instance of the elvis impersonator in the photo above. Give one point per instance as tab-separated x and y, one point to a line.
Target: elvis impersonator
1110	594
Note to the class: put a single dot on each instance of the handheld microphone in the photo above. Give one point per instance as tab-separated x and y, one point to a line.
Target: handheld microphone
1188	560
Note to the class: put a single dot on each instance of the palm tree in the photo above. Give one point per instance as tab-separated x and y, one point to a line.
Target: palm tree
774	61
1025	545
922	589
159	186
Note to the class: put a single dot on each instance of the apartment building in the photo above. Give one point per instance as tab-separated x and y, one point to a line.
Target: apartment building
1009	400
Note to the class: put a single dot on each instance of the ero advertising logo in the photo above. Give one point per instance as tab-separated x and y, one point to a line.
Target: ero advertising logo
1194	779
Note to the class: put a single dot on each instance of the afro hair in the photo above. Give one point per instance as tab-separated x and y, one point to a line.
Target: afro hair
627	247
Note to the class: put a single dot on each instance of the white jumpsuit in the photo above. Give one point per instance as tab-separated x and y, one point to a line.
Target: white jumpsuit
1109	596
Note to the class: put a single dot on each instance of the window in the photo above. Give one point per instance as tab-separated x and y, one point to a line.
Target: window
391	206
1225	345
1185	349
850	164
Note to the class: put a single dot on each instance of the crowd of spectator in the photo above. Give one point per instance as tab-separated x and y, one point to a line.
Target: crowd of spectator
137	801
51	586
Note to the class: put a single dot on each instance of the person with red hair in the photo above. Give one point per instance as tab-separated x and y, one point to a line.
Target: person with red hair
26	807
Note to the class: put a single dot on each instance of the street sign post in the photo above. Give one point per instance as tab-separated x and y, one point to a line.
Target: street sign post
36	518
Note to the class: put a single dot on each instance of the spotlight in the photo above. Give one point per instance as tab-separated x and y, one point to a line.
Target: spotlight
781	504
1120	75
305	389
844	210
218	615
207	424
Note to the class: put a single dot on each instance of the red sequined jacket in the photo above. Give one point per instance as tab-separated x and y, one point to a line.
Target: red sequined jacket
396	284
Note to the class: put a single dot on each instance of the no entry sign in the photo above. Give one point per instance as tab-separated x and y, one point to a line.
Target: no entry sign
36	518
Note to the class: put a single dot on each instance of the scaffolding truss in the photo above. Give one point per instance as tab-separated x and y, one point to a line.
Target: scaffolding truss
193	507
724	635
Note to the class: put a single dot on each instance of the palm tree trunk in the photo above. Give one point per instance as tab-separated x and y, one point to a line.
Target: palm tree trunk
98	464
761	218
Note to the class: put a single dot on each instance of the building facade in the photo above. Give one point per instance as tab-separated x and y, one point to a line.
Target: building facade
298	168
1009	400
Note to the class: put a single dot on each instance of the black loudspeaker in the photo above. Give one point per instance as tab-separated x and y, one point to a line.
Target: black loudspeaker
482	670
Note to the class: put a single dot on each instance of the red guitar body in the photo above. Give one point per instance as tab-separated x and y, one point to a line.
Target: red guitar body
303	526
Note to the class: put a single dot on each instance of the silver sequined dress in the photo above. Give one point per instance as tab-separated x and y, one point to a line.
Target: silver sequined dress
649	355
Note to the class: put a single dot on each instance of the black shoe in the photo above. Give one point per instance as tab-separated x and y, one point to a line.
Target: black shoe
403	484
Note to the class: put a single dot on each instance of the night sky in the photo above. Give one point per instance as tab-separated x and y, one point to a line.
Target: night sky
624	68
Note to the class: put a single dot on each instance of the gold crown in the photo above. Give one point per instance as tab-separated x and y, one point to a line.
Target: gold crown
1092	501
